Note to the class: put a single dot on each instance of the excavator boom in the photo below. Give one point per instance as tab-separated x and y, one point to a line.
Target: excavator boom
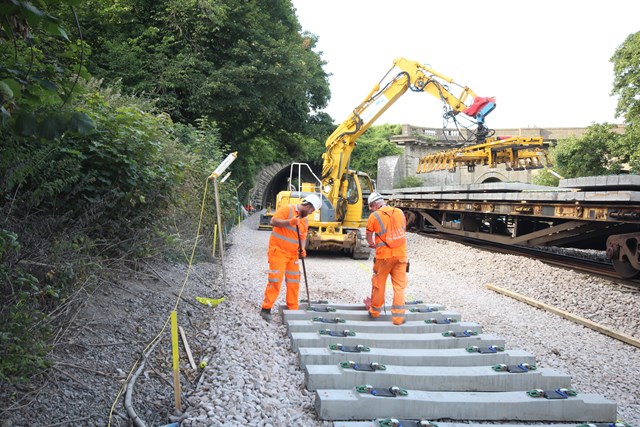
408	75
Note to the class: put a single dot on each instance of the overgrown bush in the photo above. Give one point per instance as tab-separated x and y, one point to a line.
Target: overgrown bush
372	145
546	178
409	181
23	336
128	189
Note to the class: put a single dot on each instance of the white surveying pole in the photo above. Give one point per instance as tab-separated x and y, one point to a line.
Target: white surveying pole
216	173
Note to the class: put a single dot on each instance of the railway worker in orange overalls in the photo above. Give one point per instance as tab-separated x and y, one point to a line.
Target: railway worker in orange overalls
284	252
386	232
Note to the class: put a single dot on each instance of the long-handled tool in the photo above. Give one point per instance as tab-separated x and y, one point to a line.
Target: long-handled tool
304	269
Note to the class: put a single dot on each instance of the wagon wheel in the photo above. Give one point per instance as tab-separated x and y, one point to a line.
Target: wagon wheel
624	269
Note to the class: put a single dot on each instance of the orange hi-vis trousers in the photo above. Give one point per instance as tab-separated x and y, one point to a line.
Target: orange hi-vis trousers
382	268
282	264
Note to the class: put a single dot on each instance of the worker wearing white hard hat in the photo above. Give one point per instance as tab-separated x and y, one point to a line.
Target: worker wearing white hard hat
386	233
312	199
374	197
286	246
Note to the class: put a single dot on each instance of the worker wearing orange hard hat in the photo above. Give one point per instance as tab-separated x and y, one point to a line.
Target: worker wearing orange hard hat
386	233
286	248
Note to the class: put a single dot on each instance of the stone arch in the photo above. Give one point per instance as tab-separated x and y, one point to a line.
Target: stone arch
270	181
491	179
491	176
262	180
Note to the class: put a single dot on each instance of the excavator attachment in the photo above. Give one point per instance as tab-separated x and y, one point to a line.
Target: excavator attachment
480	107
515	153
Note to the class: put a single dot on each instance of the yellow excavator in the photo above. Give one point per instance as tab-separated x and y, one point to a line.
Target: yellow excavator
338	224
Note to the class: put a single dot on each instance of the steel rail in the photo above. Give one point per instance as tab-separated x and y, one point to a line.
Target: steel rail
601	269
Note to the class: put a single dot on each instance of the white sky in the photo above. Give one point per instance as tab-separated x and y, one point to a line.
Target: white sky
545	61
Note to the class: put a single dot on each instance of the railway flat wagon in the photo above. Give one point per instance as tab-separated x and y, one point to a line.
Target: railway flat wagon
601	213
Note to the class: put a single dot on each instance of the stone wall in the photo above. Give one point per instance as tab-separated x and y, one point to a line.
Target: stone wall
451	137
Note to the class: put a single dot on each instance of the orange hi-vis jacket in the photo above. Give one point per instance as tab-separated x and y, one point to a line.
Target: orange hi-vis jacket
379	223
286	238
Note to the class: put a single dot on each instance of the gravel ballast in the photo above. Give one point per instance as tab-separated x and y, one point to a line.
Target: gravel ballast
252	377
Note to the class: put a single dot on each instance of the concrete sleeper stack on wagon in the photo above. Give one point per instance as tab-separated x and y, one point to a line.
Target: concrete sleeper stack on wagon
433	367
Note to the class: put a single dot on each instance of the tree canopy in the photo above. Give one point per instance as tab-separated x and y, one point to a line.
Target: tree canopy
626	84
588	155
245	66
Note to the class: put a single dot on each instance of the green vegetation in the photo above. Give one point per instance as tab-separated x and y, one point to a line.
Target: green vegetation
81	201
372	145
545	177
23	337
408	182
626	84
591	154
244	65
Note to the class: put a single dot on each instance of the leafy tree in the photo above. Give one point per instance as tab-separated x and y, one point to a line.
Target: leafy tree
626	84
39	69
588	155
245	65
631	140
626	68
372	145
319	128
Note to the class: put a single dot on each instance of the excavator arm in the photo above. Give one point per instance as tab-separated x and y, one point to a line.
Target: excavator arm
410	75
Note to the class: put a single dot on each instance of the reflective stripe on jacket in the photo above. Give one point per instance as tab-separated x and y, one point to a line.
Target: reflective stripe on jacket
286	238
378	223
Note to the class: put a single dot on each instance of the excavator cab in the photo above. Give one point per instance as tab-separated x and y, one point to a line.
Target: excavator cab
352	207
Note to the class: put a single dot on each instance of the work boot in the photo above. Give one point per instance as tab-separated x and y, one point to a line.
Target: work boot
265	313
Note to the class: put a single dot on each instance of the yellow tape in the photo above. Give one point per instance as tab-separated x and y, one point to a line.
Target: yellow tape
364	266
174	340
211	302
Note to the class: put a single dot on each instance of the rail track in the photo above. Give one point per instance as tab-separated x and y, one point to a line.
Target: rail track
434	368
557	257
